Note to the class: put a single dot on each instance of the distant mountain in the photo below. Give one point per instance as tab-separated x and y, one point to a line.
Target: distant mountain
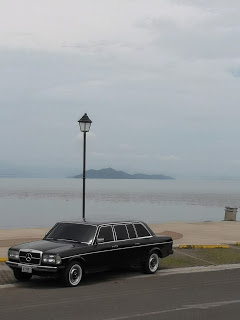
110	173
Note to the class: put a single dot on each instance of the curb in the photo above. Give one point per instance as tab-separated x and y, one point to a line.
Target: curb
219	267
3	259
196	246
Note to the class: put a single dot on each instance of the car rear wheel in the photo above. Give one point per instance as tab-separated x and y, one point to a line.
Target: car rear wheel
73	274
152	263
21	276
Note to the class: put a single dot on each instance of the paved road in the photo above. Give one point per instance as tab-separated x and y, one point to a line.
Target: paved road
114	296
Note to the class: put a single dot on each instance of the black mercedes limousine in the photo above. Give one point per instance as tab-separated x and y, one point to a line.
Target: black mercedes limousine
71	249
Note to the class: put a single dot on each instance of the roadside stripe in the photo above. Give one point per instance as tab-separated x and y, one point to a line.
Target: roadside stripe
197	246
200	306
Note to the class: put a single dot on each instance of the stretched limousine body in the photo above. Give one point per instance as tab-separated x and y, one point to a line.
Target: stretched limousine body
71	249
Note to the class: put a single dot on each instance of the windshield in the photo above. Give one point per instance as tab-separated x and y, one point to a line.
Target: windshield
73	232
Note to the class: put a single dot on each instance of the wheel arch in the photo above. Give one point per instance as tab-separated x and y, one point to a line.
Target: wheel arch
157	250
79	260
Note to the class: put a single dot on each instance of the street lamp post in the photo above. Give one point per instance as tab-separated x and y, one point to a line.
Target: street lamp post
84	124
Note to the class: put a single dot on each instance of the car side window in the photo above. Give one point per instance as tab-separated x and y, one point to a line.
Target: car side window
121	232
131	231
141	230
106	233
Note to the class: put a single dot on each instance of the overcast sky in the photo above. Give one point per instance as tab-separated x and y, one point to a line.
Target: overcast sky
158	78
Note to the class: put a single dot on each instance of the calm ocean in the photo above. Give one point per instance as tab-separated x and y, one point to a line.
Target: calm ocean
42	202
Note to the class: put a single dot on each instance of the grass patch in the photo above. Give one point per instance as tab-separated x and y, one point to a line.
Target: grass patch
201	257
181	260
218	256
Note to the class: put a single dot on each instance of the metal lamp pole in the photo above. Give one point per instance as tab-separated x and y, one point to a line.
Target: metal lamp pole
85	124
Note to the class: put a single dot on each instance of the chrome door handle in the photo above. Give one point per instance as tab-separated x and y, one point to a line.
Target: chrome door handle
114	247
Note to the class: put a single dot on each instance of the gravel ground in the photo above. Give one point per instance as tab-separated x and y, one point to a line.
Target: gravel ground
6	275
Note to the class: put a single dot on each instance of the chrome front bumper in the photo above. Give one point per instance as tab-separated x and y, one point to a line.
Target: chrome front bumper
34	267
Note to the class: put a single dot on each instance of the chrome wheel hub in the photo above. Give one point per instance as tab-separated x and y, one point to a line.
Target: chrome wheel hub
75	274
153	262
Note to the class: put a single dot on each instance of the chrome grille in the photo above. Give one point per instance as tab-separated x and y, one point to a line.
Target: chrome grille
30	256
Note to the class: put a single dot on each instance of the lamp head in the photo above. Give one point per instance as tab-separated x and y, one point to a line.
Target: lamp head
85	123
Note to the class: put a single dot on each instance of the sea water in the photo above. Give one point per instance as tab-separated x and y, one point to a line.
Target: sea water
41	202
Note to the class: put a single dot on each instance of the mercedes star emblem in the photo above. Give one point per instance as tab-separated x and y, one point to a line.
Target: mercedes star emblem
28	257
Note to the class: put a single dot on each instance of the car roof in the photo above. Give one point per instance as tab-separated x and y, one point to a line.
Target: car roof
98	223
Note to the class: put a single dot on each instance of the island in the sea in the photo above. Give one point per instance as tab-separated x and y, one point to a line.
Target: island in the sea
110	173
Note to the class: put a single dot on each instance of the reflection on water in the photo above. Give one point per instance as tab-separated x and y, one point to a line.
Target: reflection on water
42	202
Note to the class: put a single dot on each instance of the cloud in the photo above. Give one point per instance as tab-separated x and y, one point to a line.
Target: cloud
159	80
126	147
168	158
200	36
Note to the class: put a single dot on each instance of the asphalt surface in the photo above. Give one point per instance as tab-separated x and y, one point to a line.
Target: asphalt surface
119	296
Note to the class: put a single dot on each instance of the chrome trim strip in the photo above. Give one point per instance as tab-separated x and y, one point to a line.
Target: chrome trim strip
147	237
131	224
114	233
132	247
135	230
127	232
94	238
126	240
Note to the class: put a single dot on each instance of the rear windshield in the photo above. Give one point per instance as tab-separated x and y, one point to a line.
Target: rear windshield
73	232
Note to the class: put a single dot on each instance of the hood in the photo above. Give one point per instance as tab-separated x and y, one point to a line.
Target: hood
52	246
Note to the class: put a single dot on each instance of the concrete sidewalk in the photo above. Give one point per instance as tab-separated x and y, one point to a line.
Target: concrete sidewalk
190	233
201	233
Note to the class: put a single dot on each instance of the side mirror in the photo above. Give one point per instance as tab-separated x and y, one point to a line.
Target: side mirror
100	240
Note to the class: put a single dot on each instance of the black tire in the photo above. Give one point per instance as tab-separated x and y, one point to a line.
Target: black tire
21	276
152	263
73	273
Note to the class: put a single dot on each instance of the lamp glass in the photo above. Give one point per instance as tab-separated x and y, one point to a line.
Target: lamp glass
85	126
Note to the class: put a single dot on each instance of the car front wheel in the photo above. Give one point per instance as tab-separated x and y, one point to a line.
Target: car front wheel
152	263
73	274
21	276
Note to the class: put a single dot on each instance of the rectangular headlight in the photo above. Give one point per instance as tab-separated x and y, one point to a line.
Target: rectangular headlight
13	254
51	259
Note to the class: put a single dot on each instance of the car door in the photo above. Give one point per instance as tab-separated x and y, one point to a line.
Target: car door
142	242
121	245
102	254
126	239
